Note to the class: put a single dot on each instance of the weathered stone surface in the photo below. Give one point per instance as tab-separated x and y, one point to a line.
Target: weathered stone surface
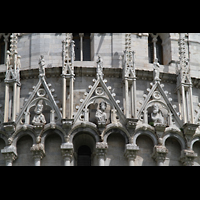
152	111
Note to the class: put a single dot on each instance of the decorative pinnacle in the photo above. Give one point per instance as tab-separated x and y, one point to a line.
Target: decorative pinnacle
13	45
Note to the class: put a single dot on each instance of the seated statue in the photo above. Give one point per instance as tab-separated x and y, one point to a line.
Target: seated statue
157	115
39	117
100	115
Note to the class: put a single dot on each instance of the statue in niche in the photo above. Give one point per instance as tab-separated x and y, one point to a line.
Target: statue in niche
39	117
100	115
157	115
42	66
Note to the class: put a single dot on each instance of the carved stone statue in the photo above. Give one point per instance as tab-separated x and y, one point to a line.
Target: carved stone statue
157	115
100	115
39	117
99	67
156	71
42	66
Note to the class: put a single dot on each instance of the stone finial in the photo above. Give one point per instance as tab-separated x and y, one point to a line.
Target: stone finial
129	69
13	63
68	55
13	45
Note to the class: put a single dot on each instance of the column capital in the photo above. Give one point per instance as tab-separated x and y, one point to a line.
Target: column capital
131	151
159	154
38	151
101	149
10	154
81	34
187	157
67	150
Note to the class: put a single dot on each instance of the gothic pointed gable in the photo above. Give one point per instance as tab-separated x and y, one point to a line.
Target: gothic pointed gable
100	92
158	99
41	93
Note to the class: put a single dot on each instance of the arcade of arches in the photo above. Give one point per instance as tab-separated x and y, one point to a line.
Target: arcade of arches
85	152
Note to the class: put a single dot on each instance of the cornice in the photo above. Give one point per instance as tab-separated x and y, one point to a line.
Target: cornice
108	73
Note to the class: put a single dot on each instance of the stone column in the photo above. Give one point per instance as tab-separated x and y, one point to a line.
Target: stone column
154	47
81	46
179	104
71	109
126	98
133	98
10	154
6	45
184	116
18	99
159	154
101	150
6	103
67	152
191	106
38	153
131	153
64	98
52	116
14	101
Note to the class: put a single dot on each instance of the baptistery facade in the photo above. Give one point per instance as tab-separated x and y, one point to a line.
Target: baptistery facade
99	99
